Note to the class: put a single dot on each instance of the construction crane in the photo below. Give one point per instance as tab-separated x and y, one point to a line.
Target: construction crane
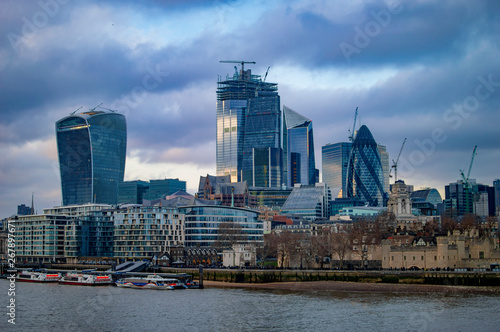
395	163
238	61
466	179
265	76
467	185
351	134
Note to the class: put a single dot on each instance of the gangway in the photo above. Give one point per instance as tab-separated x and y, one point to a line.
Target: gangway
129	267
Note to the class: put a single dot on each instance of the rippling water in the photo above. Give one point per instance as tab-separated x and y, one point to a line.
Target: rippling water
49	307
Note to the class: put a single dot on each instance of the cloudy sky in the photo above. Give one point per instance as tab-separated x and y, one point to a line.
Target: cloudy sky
425	70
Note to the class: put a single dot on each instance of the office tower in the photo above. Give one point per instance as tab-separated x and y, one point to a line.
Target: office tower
484	200
309	202
299	141
496	189
266	166
132	192
23	210
365	177
335	159
91	147
161	188
384	160
458	200
248	117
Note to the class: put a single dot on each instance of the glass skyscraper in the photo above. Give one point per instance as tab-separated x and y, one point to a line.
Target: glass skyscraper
384	160
365	176
301	165
91	148
335	159
248	117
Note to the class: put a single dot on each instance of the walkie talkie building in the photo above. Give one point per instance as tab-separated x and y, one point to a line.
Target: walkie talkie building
91	148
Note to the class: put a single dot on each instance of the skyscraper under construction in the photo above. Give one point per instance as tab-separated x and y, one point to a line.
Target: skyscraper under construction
249	129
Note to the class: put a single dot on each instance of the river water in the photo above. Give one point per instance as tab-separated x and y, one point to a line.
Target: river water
54	307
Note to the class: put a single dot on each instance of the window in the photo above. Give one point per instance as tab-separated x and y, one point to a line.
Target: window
481	255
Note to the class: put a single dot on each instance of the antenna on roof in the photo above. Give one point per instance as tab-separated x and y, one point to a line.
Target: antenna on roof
76	110
93	109
114	111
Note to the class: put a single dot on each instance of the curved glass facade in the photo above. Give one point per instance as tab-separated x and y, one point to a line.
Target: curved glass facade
202	224
91	148
430	195
365	177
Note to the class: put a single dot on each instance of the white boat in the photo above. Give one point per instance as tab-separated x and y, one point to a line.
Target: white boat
83	279
38	276
151	282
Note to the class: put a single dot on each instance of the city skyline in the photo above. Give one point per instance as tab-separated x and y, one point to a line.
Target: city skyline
425	71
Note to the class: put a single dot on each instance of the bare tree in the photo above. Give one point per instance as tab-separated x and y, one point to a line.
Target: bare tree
320	245
469	223
448	224
269	249
228	234
340	245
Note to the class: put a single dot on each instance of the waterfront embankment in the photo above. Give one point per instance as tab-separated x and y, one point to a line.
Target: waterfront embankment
349	286
366	278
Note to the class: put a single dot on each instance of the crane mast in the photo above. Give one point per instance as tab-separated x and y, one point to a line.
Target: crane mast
351	134
395	163
467	185
238	61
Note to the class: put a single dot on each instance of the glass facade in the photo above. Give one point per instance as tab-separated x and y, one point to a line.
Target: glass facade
202	224
248	117
262	130
270	196
91	148
266	167
384	160
365	177
299	140
335	159
496	189
132	192
162	188
310	202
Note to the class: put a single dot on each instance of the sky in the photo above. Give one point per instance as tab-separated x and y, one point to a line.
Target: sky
423	70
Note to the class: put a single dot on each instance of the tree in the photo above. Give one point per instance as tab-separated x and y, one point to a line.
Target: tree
431	228
269	249
228	234
320	245
340	245
471	223
448	224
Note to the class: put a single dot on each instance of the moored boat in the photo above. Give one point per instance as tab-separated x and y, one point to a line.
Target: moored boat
83	279
37	276
150	282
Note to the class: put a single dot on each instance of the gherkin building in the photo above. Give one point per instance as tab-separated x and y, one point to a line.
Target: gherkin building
365	177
